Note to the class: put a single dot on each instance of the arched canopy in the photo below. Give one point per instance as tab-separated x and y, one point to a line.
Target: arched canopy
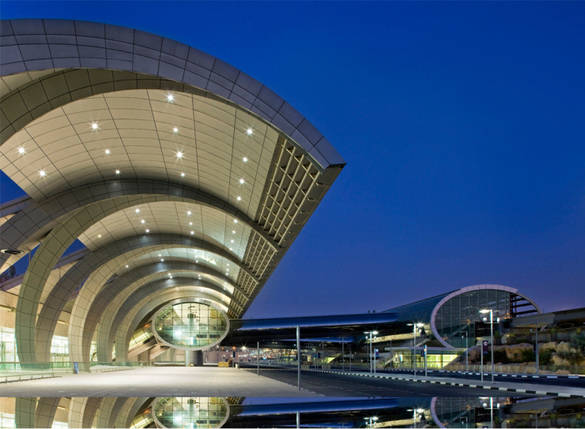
116	134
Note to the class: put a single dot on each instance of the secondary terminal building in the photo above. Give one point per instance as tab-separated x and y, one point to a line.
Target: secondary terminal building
153	174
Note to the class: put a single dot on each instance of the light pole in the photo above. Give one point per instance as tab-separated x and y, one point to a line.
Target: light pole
414	326
372	367
414	413
536	349
491	312
491	408
371	421
466	351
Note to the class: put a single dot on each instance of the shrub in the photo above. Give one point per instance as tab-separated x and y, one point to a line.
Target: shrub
528	356
500	356
545	357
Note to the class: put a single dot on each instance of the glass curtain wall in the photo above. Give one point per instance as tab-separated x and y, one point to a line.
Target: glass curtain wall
191	412
190	324
460	314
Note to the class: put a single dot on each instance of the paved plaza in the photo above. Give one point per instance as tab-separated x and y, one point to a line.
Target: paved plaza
168	381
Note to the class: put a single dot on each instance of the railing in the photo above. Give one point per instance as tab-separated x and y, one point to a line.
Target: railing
51	369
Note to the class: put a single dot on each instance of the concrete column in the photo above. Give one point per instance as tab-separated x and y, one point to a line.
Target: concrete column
194	357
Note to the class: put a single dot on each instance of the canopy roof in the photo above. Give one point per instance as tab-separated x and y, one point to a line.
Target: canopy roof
116	134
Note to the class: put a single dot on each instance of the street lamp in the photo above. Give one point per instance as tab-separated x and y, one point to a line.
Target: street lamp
372	366
415	411
491	312
414	326
372	420
466	351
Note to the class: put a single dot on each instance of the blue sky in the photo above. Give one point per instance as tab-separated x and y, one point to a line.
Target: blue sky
462	123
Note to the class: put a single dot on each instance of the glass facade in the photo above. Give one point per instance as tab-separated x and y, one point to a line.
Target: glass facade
460	314
59	347
190	325
191	412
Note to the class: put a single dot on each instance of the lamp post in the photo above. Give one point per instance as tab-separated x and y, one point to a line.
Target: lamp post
536	349
414	413
491	408
371	359
414	326
371	421
491	312
466	351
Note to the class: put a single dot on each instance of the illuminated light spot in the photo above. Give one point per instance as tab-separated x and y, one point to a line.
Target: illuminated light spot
142	221
239	198
99	236
192	232
249	131
189	213
182	174
162	260
175	130
245	159
21	150
42	173
159	255
231	248
234	231
94	126
126	266
179	154
241	181
117	171
137	210
170	97
190	223
147	231
107	151
235	221
232	241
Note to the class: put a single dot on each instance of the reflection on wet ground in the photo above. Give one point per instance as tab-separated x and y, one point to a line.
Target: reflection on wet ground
239	412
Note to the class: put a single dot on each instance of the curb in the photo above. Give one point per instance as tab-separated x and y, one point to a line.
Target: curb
449	383
498	374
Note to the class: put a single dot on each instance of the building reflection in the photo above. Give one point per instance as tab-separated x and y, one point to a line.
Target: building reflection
233	412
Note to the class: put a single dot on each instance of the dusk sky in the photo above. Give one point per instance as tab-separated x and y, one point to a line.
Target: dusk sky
462	124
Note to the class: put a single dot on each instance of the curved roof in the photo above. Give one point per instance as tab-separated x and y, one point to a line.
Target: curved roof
116	134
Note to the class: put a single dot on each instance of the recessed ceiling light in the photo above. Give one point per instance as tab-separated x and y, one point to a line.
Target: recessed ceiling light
126	266
142	221
162	260
147	231
170	97
188	212
232	241
235	221
231	248
21	150
94	126
190	223
179	154
249	131
192	232
137	210
175	130
234	231
42	173
159	255
245	159
239	198
107	151
117	171
99	236
182	174
241	181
